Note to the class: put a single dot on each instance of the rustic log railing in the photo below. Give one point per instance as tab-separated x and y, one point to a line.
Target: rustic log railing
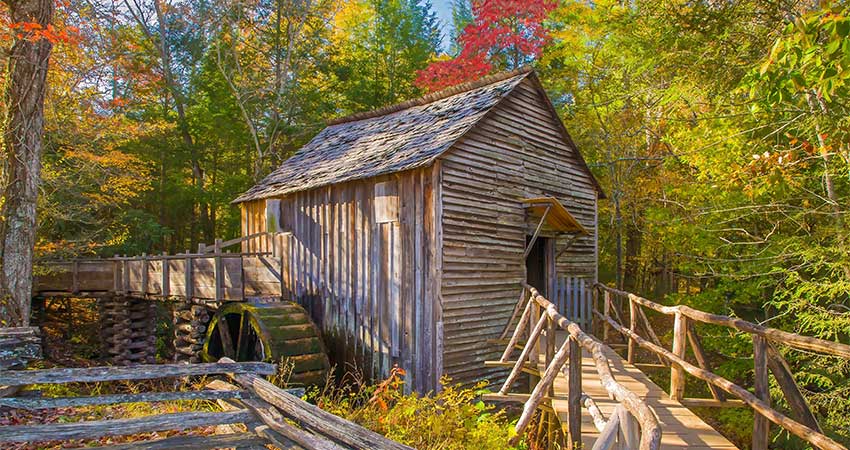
767	359
267	411
540	323
209	274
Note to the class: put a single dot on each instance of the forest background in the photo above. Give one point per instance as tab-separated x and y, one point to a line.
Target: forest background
718	129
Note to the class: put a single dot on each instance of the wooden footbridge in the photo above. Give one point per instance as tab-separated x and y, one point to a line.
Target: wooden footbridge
589	395
602	401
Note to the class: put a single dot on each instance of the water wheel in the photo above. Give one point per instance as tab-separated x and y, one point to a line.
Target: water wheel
272	332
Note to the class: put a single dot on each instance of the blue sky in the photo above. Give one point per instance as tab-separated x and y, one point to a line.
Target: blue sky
444	12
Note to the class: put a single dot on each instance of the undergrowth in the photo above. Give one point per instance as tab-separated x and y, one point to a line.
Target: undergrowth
453	418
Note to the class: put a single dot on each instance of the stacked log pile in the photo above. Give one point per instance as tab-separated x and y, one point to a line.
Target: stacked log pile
128	329
190	326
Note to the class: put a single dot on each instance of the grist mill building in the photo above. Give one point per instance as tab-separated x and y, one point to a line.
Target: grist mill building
405	231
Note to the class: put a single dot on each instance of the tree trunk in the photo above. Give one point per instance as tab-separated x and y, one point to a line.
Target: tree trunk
24	97
183	124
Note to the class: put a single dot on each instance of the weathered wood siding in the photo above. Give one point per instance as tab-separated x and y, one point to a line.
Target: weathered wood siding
516	152
254	221
367	280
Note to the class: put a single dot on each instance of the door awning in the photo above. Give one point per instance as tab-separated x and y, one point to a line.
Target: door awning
557	218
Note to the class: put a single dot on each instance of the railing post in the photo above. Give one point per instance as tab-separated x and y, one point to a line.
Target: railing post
166	278
188	277
574	394
630	430
125	274
761	426
533	350
606	310
75	276
144	273
677	373
633	328
117	279
218	271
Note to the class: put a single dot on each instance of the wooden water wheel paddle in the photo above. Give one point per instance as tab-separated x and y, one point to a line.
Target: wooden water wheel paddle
273	332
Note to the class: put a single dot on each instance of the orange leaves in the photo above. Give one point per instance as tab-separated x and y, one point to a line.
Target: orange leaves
33	31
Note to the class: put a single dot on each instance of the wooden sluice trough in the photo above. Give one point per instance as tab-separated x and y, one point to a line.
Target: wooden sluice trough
208	275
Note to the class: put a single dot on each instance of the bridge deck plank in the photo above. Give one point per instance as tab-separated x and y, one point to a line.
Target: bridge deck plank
680	427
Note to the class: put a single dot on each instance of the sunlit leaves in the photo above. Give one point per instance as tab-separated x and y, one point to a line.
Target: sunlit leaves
504	34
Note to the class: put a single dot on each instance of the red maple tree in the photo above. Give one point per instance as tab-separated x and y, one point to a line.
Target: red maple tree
504	34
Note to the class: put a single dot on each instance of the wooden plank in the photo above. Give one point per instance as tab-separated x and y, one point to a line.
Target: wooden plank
232	440
314	418
73	402
121	427
136	372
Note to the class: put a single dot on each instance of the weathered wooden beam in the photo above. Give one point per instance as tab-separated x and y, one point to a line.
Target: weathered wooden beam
761	426
166	277
808	434
235	440
526	351
702	361
519	327
789	339
121	427
677	373
712	403
137	372
608	435
314	418
630	354
650	438
574	394
73	402
785	379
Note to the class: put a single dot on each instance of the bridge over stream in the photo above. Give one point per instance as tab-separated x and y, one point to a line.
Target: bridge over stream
588	393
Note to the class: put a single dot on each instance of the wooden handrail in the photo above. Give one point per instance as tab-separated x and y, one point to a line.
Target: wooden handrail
637	409
784	337
766	357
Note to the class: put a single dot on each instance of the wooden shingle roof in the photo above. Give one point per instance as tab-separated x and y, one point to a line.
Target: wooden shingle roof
388	140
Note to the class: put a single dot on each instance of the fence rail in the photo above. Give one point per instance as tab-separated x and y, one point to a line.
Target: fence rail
267	411
541	324
767	359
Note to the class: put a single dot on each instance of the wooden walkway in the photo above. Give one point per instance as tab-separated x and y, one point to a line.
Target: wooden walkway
681	428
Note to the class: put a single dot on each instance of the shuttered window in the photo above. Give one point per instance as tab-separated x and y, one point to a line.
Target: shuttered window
273	215
386	202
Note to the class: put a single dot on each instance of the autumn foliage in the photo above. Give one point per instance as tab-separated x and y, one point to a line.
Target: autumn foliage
504	34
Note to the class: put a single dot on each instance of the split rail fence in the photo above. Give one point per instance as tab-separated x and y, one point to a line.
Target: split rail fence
269	414
767	359
561	342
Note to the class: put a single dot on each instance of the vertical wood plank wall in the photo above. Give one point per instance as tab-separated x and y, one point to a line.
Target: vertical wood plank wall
514	153
368	285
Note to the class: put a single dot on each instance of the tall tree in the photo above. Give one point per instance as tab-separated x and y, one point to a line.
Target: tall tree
379	47
503	35
24	124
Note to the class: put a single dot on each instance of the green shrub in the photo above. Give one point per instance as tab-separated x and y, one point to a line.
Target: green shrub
454	418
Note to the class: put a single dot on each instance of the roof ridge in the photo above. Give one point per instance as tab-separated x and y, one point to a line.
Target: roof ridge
432	97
